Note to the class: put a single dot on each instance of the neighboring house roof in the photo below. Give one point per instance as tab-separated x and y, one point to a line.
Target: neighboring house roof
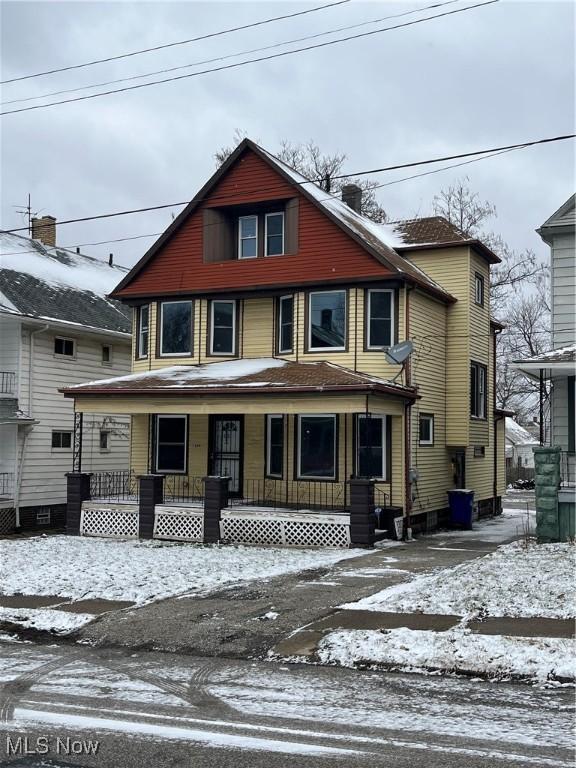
383	241
247	376
55	284
562	219
557	360
517	435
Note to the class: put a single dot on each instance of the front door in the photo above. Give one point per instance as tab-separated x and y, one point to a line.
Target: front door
226	449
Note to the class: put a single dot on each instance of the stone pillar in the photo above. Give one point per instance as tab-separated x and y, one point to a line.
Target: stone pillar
215	500
547	482
78	490
151	493
362	517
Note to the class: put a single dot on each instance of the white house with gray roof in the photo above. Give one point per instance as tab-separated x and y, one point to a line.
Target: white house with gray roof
558	365
57	327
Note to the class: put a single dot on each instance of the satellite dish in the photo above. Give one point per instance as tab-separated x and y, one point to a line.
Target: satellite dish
399	352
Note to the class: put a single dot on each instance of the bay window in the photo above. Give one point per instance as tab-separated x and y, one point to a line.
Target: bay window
380	318
327	320
223	327
317	447
175	328
274	445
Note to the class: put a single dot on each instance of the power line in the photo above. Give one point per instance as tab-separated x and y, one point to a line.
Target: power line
228	56
229	196
174	44
249	61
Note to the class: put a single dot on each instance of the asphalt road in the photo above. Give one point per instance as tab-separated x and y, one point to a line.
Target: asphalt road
152	710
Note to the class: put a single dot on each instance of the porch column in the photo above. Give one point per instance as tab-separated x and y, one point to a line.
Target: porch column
547	482
215	500
77	491
151	493
362	518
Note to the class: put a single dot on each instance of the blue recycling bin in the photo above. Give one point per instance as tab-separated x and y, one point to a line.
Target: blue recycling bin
461	503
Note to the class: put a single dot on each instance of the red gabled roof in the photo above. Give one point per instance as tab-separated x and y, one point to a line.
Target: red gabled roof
335	243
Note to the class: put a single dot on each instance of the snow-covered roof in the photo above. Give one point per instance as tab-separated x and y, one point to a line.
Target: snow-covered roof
263	374
561	355
52	283
517	435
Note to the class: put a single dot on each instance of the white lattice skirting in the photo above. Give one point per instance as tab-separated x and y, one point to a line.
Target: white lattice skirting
7	520
285	529
111	520
178	523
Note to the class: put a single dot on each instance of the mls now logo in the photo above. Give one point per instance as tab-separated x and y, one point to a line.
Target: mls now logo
22	745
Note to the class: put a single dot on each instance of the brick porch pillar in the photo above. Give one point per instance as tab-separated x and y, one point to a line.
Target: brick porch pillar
151	493
77	491
362	518
215	500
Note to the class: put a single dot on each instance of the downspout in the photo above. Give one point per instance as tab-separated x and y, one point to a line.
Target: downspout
407	533
28	430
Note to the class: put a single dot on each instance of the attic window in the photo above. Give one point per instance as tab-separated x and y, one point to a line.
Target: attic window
274	234
247	237
479	289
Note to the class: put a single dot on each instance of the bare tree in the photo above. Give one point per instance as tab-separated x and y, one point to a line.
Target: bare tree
463	208
309	160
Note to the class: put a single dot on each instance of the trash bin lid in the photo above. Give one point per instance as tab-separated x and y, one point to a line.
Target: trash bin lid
460	490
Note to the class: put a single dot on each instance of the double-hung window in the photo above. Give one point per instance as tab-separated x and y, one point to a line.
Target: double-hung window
380	318
175	328
317	447
478	390
478	289
274	445
142	331
223	327
426	429
274	234
171	441
371	443
285	324
247	237
327	320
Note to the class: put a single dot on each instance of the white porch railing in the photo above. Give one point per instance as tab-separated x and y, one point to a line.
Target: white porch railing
246	525
179	523
109	520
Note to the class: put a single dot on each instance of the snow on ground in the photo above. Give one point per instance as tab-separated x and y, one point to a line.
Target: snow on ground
516	580
499	656
59	622
139	571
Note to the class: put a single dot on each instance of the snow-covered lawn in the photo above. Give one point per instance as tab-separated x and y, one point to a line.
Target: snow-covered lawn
516	580
138	571
457	650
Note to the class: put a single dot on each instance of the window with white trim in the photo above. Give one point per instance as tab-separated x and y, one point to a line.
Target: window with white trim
426	429
274	445
478	390
64	347
285	324
175	328
327	320
61	440
317	447
479	289
171	444
106	354
247	237
104	441
223	327
371	445
380	318
274	234
143	327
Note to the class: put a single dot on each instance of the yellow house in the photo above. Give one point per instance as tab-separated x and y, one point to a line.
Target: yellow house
266	318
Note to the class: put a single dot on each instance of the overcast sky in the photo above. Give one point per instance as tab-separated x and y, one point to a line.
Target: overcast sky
496	75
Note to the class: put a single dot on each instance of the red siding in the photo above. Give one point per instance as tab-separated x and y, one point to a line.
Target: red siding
325	251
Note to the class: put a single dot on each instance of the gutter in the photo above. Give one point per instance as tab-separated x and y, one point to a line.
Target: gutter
70	327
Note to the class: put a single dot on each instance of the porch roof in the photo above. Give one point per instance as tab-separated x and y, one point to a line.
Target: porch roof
556	361
242	377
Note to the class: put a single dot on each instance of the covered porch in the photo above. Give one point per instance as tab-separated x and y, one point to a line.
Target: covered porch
289	437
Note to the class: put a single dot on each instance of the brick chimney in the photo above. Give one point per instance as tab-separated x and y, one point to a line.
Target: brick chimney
44	229
352	196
